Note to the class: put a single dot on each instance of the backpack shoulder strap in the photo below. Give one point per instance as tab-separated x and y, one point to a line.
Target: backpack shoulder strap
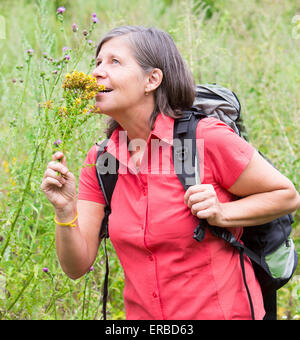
107	178
184	147
107	175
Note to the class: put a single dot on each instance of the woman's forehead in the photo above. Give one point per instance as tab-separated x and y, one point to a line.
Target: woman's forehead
117	46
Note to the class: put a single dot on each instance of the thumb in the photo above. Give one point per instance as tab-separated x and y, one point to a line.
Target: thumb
60	157
64	161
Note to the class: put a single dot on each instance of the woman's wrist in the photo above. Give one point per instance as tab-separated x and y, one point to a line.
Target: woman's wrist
66	214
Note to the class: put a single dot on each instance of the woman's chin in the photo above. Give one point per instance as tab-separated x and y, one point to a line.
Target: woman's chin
99	107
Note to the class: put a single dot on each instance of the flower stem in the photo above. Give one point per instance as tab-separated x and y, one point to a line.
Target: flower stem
26	83
81	53
84	294
21	202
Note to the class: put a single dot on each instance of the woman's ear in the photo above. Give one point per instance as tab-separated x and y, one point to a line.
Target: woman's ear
154	79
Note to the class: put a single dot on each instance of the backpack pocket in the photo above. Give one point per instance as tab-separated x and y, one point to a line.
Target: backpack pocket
281	262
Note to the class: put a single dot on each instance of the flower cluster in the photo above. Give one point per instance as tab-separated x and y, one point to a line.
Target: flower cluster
82	85
78	89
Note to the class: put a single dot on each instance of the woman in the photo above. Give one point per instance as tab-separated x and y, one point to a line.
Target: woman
168	275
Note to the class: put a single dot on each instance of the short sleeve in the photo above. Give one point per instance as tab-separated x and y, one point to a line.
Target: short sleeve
225	152
88	188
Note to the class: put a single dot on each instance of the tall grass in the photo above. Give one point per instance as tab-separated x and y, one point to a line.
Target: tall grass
247	46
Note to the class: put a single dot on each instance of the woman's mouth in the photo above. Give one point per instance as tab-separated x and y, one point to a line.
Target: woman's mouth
106	90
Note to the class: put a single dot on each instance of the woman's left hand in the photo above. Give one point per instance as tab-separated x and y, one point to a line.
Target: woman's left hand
203	202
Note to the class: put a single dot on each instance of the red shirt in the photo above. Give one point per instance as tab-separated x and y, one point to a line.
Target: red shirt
168	274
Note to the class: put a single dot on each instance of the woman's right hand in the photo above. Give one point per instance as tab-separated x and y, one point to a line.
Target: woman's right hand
60	189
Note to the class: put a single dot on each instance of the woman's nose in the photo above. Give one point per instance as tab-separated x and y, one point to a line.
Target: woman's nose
99	72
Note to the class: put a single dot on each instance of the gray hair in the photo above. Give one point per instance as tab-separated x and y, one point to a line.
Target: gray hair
154	48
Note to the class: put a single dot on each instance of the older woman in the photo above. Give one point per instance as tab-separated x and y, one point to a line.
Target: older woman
168	275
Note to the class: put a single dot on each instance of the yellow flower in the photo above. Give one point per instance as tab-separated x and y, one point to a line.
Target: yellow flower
48	104
12	181
6	167
78	101
86	84
62	111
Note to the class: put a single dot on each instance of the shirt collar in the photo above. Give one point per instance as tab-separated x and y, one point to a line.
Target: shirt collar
117	143
163	129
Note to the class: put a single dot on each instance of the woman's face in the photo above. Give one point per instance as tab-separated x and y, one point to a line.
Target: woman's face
119	72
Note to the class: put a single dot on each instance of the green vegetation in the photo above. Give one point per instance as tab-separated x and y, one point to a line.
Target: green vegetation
252	47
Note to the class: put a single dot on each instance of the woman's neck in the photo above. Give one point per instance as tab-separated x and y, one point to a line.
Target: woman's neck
136	126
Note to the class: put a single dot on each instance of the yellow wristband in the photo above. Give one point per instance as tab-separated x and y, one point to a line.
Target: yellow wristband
70	224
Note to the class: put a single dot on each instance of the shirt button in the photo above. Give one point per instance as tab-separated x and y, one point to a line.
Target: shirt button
154	295
150	258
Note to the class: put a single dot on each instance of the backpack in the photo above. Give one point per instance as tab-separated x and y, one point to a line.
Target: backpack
269	246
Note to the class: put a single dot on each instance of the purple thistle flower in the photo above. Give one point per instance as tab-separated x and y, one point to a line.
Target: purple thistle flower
90	42
30	51
67	57
74	28
65	48
61	10
94	15
91	269
95	20
45	270
57	142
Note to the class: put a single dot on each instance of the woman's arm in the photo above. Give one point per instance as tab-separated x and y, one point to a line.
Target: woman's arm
267	194
77	247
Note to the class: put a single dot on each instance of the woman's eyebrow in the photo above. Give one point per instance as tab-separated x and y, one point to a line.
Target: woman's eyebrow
111	55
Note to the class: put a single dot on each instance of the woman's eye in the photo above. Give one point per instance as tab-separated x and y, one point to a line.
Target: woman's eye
98	63
115	61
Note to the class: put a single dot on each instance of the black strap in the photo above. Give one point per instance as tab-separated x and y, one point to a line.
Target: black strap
104	234
184	147
105	284
107	182
230	238
227	236
242	259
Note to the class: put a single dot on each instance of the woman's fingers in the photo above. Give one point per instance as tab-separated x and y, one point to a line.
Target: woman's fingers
57	155
195	208
53	174
61	168
198	193
50	181
203	202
